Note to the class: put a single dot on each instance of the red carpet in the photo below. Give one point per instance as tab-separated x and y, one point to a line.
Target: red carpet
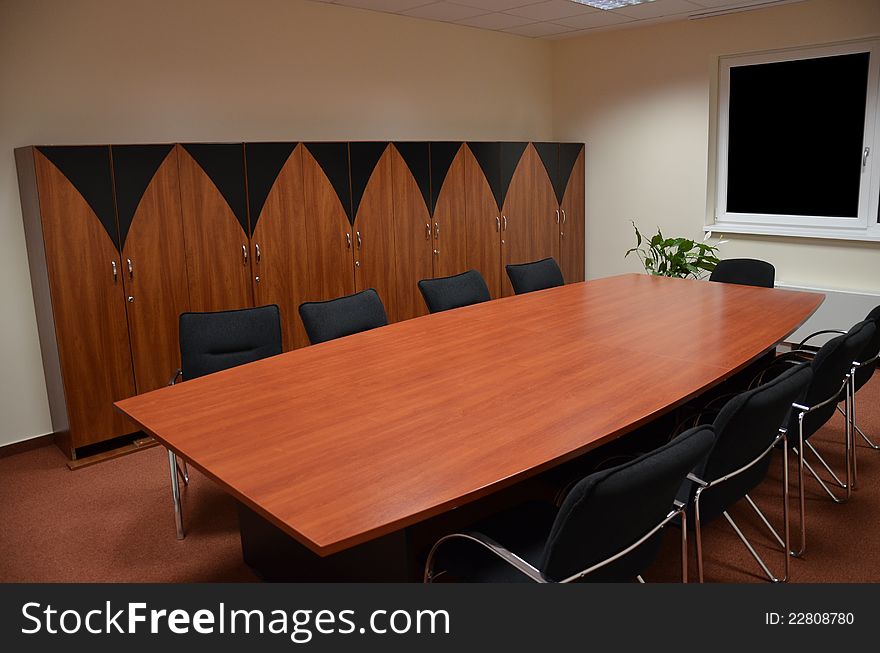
113	522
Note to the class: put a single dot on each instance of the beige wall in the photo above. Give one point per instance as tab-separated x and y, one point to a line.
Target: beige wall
100	71
641	99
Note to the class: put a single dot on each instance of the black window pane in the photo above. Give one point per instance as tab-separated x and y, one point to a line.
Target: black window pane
796	136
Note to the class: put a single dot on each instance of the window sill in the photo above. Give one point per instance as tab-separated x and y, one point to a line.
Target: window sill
869	235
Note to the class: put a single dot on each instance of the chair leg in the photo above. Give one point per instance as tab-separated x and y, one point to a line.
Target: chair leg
751	549
818	478
175	495
183	470
698	535
684	547
640	579
800	552
836	479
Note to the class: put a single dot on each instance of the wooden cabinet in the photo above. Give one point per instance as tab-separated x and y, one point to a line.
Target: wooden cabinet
572	223
122	239
153	261
413	234
279	251
79	295
374	231
215	225
326	190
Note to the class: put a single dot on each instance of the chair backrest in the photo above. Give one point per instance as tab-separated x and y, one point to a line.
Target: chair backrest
745	272
454	292
538	275
210	342
612	509
830	366
744	429
343	316
864	373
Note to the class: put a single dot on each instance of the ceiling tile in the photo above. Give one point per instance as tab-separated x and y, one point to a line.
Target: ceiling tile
493	5
594	19
496	21
659	8
444	11
394	6
538	29
551	10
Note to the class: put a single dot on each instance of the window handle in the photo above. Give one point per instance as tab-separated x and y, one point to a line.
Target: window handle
865	156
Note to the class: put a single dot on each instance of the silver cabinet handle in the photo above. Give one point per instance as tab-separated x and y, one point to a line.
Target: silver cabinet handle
427	231
436	230
357	264
563	216
244	254
130	299
348	241
130	269
257	279
557	216
503	223
257	253
497	223
115	271
359	239
865	156
436	252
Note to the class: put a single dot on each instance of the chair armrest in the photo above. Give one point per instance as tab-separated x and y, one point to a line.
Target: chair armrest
823	332
488	543
178	374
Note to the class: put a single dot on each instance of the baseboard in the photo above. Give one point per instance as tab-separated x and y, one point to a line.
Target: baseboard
26	445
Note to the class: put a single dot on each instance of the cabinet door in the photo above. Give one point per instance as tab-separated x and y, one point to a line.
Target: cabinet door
482	163
413	240
153	257
215	227
544	160
516	213
81	238
328	222
572	229
449	201
280	256
374	250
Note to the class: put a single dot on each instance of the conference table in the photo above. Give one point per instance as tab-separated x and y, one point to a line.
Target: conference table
339	453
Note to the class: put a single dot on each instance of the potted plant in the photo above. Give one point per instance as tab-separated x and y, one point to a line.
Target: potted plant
675	257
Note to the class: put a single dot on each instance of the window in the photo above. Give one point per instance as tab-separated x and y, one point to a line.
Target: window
796	142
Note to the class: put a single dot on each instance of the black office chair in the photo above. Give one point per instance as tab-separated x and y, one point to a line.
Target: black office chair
210	342
459	290
747	430
745	272
605	529
343	316
863	369
831	367
538	275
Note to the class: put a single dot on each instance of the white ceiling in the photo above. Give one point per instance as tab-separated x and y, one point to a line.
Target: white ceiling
552	19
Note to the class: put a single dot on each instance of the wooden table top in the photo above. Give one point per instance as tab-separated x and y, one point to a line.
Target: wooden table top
342	442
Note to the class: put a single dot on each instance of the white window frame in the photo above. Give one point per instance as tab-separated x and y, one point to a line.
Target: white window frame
863	227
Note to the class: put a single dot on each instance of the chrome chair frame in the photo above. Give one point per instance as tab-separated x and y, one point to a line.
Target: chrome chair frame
535	575
178	468
784	541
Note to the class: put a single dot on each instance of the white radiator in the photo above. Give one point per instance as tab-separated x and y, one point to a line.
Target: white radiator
840	310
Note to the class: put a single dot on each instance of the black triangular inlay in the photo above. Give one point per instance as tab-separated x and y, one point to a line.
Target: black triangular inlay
364	157
264	163
224	165
442	156
568	155
511	153
416	156
333	159
87	168
549	155
488	155
134	167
